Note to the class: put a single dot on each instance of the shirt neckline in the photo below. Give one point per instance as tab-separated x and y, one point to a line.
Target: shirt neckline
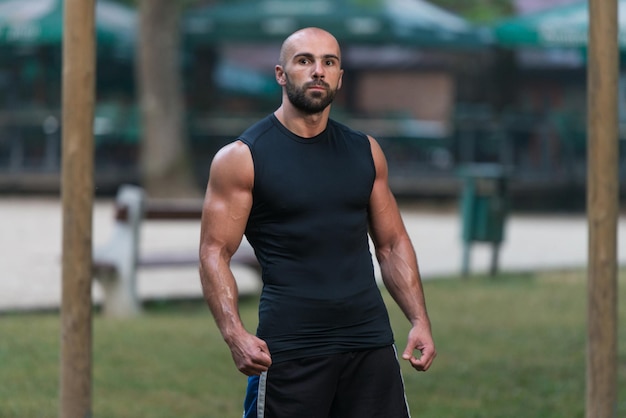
312	140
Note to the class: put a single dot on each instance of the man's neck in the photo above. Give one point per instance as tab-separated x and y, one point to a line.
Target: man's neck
303	125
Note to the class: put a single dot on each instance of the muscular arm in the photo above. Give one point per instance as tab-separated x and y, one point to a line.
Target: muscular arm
225	213
398	264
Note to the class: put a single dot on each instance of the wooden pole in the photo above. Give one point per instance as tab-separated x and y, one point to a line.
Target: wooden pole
77	188
602	209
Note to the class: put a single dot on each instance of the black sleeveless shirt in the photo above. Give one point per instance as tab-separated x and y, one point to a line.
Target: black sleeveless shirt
308	226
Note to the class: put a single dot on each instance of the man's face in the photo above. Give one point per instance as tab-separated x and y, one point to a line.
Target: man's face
312	97
311	72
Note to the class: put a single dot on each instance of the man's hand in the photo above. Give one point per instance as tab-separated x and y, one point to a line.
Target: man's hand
420	339
251	355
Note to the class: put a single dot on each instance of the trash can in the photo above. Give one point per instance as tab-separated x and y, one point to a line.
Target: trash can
484	207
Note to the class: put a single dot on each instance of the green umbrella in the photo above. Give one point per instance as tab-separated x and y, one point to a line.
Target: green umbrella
405	22
564	26
40	22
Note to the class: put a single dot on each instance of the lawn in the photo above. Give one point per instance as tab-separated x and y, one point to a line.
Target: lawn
510	346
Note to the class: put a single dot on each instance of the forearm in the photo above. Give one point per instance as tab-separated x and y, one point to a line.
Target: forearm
219	288
250	354
402	279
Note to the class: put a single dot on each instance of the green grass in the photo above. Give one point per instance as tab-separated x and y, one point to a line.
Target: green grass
511	346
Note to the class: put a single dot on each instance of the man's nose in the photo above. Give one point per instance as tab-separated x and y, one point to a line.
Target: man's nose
318	70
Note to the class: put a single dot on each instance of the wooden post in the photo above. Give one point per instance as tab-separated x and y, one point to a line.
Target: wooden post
77	190
602	207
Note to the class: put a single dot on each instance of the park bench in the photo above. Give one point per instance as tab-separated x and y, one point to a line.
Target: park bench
115	264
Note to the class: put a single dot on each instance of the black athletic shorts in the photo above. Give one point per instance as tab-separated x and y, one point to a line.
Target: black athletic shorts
360	384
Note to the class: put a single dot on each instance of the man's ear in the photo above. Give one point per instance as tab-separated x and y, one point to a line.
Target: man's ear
340	80
281	78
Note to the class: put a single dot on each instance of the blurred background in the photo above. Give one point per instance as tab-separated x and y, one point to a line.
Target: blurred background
442	85
479	105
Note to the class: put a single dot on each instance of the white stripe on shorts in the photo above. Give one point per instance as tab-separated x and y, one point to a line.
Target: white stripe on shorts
260	400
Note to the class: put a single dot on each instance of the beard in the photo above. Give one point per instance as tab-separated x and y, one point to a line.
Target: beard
310	102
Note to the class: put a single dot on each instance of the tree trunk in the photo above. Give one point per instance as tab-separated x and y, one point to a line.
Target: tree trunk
165	162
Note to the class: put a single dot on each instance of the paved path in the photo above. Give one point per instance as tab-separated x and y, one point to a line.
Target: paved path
31	233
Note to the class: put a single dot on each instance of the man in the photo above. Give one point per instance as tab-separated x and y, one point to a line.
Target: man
306	191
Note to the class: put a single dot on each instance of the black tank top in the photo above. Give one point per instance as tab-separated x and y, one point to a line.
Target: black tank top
308	226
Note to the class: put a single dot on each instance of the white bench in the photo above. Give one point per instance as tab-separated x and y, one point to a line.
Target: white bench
116	263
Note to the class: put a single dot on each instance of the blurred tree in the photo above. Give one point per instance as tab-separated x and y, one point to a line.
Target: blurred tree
479	11
165	160
165	163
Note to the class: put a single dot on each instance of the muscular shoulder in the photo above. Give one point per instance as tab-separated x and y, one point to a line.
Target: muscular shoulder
232	167
380	162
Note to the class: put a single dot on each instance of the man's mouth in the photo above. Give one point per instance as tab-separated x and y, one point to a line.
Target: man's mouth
318	86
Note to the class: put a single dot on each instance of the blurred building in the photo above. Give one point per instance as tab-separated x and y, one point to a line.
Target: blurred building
31	34
534	123
529	6
436	99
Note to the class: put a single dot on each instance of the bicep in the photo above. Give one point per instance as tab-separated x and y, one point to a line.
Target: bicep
228	200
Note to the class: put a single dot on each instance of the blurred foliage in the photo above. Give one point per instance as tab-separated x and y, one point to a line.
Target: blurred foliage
183	3
477	11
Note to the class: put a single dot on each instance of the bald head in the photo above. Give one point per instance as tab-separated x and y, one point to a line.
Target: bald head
302	38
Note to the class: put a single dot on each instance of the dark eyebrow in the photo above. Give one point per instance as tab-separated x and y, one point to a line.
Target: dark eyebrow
310	56
303	55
